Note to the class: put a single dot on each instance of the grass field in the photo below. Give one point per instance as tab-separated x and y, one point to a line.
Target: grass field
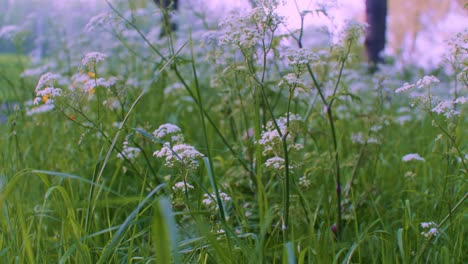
239	150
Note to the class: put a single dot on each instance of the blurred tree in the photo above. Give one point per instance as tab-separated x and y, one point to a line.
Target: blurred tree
409	18
376	15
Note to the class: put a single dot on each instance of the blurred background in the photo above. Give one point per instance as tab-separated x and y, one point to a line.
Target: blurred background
417	30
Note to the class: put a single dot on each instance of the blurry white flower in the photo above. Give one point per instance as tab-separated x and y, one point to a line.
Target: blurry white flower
99	20
209	202
9	31
358	138
165	129
169	132
128	152
412	156
447	107
92	58
40	109
45	90
182	186
180	154
35	71
405	88
304	182
275	163
430	229
299	57
291	79
410	174
426	81
271	139
247	31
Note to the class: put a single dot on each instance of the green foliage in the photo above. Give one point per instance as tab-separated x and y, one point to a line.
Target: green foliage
90	182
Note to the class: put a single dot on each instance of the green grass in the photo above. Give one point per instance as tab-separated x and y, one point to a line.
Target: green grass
12	88
65	197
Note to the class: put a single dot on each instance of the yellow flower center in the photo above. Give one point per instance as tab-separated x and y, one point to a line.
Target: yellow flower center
45	98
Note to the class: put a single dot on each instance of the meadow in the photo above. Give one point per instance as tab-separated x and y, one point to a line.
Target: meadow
234	145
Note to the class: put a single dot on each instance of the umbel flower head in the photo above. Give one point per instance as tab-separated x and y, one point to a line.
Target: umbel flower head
209	202
180	155
92	58
430	229
45	90
128	152
412	156
169	132
271	138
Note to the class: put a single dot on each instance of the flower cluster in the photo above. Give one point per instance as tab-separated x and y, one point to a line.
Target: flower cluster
425	82
275	163
92	58
271	138
448	107
430	229
128	152
210	202
99	21
179	155
45	90
169	133
304	182
358	138
88	83
247	31
300	57
9	32
182	187
412	156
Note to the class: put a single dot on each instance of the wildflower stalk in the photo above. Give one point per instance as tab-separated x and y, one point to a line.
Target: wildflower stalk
329	111
222	212
447	217
452	140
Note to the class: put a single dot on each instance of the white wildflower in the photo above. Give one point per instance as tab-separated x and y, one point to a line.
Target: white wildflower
461	100
182	186
99	20
358	138
463	75
35	71
247	31
210	202
92	58
430	229
9	31
304	182
412	156
180	154
291	79
426	81
410	174
275	163
405	88
271	139
447	107
45	90
128	152
170	131
40	109
47	79
299	57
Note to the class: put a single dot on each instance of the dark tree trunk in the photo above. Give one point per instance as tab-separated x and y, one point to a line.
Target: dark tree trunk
376	16
167	26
